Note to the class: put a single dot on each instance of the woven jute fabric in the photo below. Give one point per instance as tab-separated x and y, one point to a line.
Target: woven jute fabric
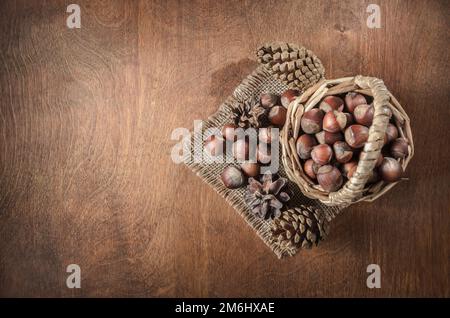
256	83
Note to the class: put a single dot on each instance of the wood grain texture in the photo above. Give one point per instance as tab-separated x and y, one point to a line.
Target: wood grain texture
85	169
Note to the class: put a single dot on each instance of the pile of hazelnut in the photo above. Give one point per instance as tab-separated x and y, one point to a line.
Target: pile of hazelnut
234	177
333	136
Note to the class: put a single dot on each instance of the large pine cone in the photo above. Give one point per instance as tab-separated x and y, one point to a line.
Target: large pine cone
300	227
295	66
250	114
266	199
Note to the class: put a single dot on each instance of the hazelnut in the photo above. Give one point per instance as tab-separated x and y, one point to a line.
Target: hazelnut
251	169
364	114
268	100
311	168
214	145
288	96
332	103
349	168
342	151
326	137
241	150
264	153
265	135
353	99
329	178
334	121
322	154
391	133
390	170
228	131
350	119
232	177
277	115
374	177
356	135
399	148
304	145
312	121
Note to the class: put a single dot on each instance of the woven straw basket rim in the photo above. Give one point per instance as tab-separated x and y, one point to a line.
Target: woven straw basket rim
355	189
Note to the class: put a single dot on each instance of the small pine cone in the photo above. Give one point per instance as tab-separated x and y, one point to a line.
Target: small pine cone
295	66
300	227
250	114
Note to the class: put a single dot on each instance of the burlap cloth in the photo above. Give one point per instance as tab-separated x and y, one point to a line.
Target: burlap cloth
256	83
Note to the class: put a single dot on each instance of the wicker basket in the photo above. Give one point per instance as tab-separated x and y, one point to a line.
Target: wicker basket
356	188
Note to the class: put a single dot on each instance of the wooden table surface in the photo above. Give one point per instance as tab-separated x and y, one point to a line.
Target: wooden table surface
86	176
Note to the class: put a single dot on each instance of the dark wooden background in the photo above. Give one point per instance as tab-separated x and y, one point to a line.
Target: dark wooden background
85	171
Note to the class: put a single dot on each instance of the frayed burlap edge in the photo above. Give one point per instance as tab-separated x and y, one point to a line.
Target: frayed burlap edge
259	81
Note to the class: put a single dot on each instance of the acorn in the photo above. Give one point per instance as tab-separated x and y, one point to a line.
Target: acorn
228	131
264	153
329	178
353	99
268	100
334	121
349	168
288	96
390	170
363	114
391	133
326	137
277	115
356	135
304	145
214	145
251	169
330	103
311	122
321	154
342	151
399	148
265	135
311	168
232	177
241	150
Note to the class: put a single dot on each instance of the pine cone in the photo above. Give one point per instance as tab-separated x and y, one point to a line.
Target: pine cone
250	114
267	199
300	227
295	66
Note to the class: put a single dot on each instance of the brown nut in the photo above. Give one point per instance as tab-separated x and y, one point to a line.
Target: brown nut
332	103
329	178
304	145
349	168
363	114
214	145
322	154
311	168
228	132
251	169
277	115
350	119
391	133
312	121
264	153
399	148
288	96
334	121
268	100
353	99
265	135
232	177
325	137
390	170
342	151
356	135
